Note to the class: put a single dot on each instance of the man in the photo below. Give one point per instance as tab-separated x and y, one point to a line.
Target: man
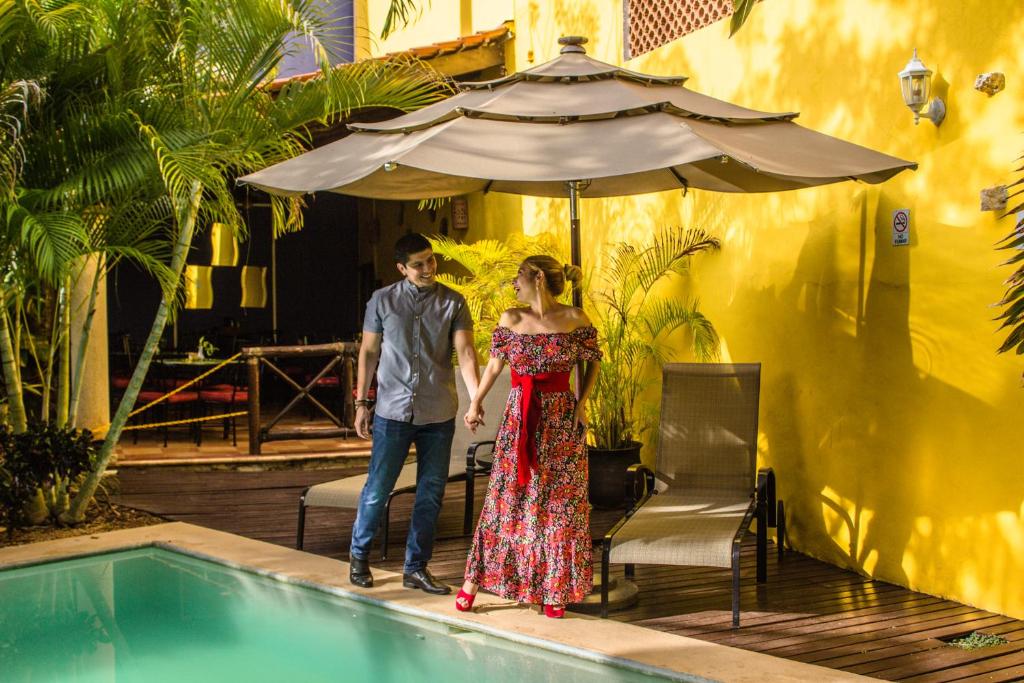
411	327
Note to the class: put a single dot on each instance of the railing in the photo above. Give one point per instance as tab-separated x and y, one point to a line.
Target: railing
341	361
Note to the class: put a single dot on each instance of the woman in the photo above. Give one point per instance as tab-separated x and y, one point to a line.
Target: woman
532	543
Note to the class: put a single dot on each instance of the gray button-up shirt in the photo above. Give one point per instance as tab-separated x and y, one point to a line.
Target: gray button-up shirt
415	377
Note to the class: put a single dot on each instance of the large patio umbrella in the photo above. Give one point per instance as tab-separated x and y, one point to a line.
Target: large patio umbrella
576	127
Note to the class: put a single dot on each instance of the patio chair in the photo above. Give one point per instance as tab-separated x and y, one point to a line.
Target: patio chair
470	458
181	405
227	397
699	501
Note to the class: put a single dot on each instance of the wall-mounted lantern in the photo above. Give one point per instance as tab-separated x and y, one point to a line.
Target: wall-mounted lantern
916	85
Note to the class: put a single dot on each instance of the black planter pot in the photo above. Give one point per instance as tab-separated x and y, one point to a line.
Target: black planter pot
608	474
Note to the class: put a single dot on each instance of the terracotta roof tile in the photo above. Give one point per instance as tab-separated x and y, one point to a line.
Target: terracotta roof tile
425	52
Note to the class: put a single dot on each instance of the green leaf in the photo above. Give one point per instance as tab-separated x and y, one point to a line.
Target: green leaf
400	14
740	12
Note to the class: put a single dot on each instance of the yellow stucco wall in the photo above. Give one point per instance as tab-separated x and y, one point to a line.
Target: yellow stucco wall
890	420
435	21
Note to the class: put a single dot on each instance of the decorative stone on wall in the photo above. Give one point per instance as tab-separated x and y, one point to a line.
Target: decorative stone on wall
994	198
649	24
990	83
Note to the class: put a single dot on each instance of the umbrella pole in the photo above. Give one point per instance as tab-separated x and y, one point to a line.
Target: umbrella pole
576	256
574	234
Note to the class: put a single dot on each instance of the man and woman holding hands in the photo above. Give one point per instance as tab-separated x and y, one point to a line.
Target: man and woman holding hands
532	542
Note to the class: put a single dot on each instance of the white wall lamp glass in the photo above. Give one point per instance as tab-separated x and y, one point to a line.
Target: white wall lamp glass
916	85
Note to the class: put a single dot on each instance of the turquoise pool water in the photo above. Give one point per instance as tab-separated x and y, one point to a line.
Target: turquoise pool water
152	615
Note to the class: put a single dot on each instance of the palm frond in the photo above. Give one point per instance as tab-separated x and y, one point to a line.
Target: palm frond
16	99
52	239
670	252
664	316
400	14
1012	302
150	257
740	13
53	18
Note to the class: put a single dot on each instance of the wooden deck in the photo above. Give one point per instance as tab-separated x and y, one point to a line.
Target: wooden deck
147	449
808	611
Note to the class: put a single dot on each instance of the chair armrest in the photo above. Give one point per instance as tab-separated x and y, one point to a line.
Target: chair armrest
635	474
471	462
748	517
634	504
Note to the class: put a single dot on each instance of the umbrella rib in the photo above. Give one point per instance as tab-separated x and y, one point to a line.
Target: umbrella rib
682	180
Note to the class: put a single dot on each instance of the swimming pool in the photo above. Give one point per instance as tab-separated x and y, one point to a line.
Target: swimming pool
154	615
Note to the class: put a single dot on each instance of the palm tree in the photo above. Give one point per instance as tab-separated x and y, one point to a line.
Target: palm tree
15	99
213	122
44	231
151	109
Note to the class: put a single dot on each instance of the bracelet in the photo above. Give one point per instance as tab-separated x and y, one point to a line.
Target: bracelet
364	403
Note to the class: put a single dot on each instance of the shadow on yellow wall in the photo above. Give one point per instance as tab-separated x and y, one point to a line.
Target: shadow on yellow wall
887	414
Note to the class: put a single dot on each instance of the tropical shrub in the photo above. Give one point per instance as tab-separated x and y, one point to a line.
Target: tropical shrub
38	466
148	112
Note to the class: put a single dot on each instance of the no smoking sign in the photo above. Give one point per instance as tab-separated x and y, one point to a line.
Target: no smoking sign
900	227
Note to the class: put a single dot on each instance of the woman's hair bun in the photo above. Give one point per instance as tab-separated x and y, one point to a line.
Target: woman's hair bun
573	273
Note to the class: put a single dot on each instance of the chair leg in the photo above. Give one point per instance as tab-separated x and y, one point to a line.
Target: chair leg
736	585
606	550
762	541
234	432
300	532
780	529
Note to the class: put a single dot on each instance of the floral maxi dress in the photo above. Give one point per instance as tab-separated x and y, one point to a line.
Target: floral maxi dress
532	543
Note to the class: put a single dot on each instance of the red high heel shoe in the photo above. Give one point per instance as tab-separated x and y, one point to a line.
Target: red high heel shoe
464	601
554	612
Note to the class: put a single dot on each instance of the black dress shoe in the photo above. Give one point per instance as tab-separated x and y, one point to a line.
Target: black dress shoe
359	573
425	581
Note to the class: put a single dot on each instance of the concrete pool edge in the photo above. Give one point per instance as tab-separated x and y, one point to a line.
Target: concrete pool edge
587	637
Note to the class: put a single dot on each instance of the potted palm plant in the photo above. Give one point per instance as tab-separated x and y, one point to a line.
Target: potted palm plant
634	328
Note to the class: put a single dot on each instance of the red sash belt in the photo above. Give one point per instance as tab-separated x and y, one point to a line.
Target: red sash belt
530	389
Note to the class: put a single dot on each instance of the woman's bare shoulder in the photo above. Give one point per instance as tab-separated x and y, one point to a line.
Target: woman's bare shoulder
511	317
577	315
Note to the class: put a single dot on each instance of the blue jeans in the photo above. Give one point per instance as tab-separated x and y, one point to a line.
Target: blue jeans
391	442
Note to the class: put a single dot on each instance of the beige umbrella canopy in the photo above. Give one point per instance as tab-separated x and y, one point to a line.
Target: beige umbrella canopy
575	127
